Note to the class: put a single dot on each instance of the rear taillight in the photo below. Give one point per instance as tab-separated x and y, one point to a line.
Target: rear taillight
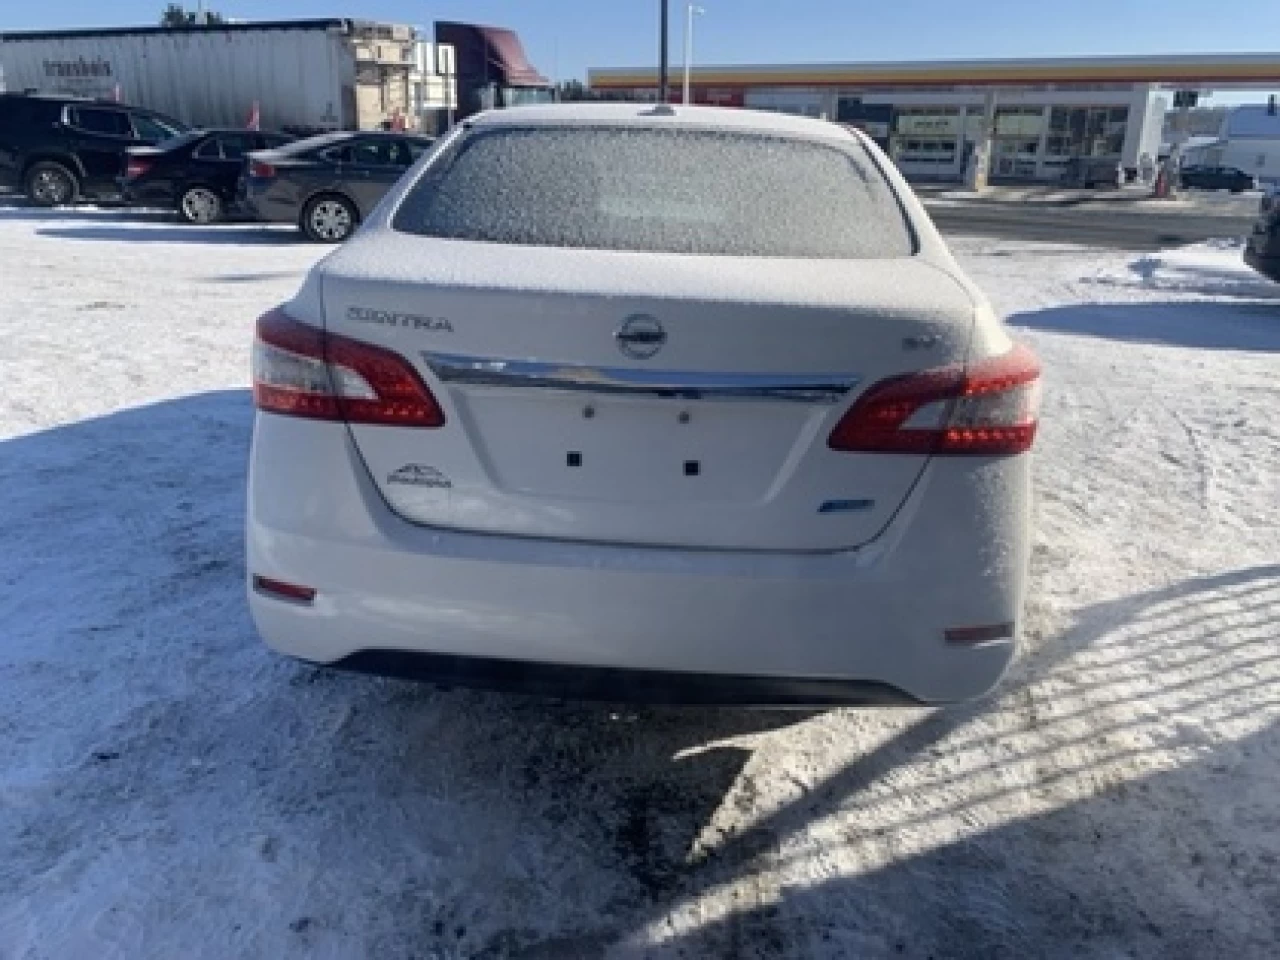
300	371
988	408
136	167
263	171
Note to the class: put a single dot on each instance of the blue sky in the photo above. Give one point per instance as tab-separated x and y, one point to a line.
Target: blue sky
564	37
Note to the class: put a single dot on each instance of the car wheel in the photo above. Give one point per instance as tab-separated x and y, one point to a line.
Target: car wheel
329	219
51	184
200	205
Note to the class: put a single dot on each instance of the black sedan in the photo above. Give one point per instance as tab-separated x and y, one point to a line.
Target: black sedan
1217	178
328	184
196	173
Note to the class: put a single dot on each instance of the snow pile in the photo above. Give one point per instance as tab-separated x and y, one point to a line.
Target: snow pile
168	788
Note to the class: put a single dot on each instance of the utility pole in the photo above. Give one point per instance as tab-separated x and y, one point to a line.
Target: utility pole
662	52
690	10
979	166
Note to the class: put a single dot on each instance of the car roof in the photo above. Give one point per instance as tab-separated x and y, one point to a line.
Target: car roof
205	131
652	114
316	140
341	136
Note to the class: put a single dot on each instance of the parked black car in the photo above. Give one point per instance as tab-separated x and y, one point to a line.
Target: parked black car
196	173
1217	178
329	183
60	149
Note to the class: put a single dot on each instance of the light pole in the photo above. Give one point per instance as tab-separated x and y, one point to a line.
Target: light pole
662	50
690	10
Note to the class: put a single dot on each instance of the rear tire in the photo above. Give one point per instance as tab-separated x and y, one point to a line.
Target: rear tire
50	184
200	205
329	219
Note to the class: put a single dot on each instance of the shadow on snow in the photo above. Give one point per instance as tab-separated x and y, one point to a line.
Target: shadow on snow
1209	324
497	827
230	233
139	224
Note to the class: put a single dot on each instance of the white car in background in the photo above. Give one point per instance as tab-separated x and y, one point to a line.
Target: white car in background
674	404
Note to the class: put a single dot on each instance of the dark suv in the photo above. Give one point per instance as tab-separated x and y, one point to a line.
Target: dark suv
61	149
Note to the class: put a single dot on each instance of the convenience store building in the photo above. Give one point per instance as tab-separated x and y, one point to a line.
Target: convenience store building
930	115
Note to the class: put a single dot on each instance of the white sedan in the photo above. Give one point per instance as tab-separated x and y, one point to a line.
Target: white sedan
674	404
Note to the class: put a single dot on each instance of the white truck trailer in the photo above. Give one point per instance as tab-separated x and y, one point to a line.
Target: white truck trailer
300	76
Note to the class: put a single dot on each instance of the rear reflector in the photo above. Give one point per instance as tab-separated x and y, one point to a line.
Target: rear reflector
136	167
263	171
974	636
286	591
301	371
989	408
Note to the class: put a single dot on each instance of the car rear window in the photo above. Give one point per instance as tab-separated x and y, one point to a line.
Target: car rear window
181	140
652	189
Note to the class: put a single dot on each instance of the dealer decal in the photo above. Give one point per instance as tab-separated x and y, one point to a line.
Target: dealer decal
420	475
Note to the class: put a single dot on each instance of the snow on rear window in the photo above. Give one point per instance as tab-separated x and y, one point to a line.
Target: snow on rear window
676	191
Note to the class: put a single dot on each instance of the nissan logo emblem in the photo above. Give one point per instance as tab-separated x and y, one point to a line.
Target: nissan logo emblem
640	336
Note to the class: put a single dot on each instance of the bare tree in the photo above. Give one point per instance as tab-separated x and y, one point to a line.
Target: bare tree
176	15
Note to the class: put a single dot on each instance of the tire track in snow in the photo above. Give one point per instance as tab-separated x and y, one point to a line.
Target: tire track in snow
1203	466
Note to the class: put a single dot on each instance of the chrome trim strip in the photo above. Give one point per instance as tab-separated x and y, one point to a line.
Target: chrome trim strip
679	384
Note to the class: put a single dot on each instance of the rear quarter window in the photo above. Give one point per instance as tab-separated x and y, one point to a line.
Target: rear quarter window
114	123
674	190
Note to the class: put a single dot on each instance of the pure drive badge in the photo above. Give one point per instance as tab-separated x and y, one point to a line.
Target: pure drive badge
389	318
420	475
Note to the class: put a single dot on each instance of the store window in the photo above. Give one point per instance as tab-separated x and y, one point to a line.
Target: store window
936	151
1021	122
926	135
1086	131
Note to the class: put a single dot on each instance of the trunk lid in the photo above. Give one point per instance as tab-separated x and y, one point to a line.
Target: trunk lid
641	398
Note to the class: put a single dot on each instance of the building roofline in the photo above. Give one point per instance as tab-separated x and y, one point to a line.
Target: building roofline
1189	69
330	23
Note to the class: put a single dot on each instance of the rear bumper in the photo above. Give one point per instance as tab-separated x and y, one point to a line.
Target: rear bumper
143	194
856	626
619	685
264	206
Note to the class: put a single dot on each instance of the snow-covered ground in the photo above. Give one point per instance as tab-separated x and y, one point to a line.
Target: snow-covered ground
170	789
1133	196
